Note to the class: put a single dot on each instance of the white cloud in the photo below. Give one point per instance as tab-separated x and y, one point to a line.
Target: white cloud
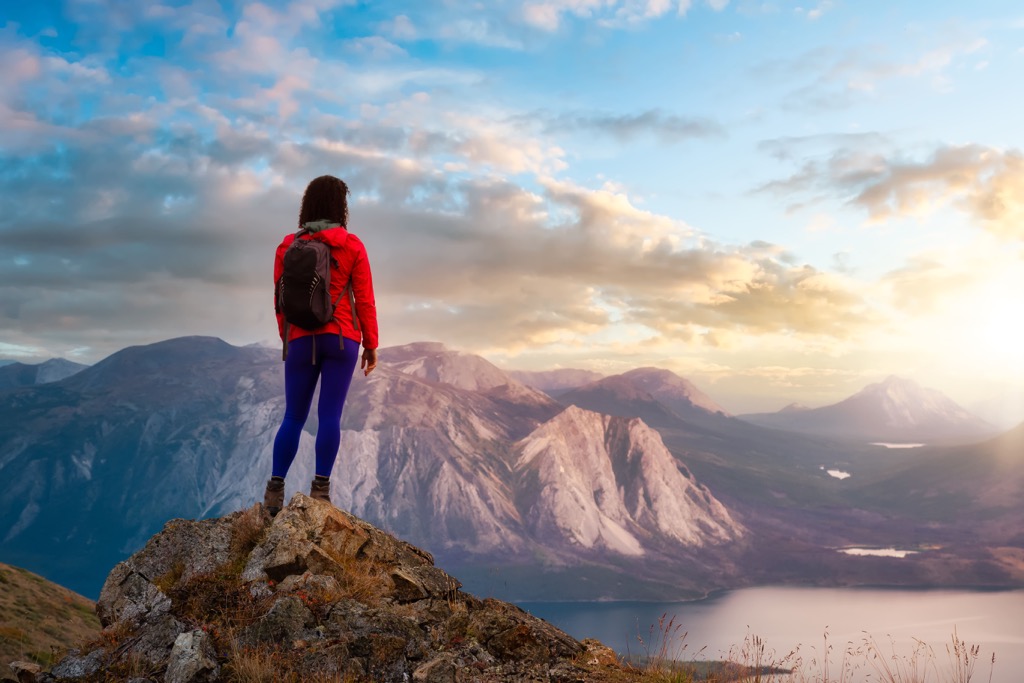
547	15
400	28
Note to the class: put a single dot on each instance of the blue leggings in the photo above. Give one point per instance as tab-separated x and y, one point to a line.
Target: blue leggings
333	366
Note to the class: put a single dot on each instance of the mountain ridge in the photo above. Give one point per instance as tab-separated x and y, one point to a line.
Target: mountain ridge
893	409
185	429
15	374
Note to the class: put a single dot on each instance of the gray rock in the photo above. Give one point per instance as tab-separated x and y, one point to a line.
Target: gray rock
192	659
76	666
156	636
284	623
129	596
419	583
309	582
440	670
182	550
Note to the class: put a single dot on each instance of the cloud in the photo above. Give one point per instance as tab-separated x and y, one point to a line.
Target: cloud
156	214
627	127
400	28
984	182
547	15
833	78
374	47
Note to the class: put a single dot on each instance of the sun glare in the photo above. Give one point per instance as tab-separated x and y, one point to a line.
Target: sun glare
986	323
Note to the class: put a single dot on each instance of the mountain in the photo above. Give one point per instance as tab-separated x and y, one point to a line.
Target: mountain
22	375
649	494
94	463
895	409
38	617
601	482
432	448
978	486
653	394
554	382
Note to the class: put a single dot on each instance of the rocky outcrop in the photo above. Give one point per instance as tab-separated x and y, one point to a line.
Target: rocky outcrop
314	594
608	483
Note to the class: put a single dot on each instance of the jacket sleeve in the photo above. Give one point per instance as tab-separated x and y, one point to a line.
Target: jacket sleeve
278	269
366	305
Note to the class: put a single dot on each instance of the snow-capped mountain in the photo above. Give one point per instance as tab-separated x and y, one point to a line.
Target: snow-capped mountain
16	374
895	409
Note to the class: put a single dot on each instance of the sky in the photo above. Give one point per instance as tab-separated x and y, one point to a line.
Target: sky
781	201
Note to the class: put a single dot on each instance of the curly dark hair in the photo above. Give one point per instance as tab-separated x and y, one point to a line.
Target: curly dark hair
325	199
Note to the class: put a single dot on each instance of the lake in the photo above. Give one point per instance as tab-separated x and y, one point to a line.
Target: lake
797	618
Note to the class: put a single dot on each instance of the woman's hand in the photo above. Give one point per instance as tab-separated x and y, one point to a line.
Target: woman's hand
369	361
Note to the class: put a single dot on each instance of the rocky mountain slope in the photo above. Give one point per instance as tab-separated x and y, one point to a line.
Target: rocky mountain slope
596	481
895	409
637	490
15	374
39	618
432	448
315	594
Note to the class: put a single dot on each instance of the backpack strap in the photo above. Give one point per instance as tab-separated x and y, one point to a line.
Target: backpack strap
352	303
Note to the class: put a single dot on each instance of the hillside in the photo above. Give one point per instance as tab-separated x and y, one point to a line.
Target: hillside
39	618
16	374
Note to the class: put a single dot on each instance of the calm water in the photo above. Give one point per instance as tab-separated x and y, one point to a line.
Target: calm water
787	618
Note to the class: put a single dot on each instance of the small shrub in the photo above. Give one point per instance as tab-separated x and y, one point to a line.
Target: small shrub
168	580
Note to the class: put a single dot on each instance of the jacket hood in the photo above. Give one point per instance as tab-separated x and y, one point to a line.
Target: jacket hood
328	231
317	226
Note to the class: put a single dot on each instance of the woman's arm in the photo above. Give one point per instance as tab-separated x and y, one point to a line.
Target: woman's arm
366	305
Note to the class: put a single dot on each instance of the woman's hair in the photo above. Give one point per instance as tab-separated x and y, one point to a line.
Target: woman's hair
325	199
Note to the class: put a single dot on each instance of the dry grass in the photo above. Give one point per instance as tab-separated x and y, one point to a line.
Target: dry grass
360	579
755	662
39	620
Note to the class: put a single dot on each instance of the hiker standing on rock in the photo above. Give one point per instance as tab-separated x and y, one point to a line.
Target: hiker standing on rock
323	296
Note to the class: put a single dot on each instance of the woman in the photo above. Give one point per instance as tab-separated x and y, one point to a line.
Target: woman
327	353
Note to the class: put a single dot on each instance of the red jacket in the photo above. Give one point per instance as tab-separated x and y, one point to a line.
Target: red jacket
348	252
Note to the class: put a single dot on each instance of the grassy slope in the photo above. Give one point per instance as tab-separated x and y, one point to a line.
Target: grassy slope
39	618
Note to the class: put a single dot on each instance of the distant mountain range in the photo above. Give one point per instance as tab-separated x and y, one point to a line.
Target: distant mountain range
895	409
554	381
14	374
632	486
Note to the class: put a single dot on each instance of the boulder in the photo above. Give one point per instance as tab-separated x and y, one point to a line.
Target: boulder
192	659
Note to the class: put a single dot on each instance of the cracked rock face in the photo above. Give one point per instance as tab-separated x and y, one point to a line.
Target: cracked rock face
316	591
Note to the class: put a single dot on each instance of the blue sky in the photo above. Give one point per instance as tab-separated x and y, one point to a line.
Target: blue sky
781	201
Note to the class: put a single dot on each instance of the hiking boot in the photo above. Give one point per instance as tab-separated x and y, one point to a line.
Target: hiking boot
320	489
273	498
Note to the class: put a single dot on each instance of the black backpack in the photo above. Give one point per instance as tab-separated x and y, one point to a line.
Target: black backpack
304	288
